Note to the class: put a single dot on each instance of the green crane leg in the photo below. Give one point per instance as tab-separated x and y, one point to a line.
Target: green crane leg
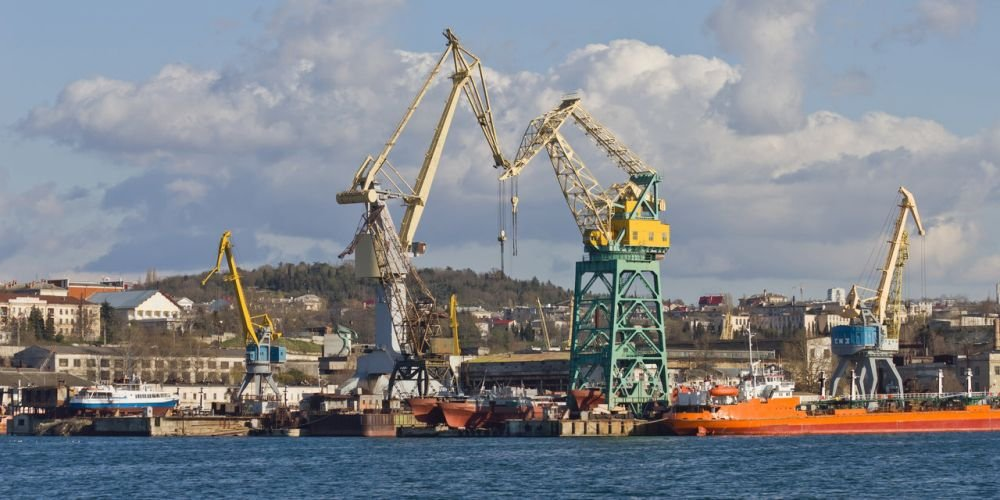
618	341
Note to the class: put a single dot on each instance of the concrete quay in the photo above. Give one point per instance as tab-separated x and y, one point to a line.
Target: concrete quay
173	426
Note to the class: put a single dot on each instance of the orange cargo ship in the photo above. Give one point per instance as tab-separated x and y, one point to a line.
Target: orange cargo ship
790	416
765	405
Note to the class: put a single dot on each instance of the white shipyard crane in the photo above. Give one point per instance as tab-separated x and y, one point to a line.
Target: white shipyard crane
405	315
873	337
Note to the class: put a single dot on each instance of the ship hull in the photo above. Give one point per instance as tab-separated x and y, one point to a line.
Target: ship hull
158	409
514	411
122	406
426	410
587	399
472	415
465	414
849	421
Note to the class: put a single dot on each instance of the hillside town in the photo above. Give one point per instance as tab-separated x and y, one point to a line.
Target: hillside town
79	333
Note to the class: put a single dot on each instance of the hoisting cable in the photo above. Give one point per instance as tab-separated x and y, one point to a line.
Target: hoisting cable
923	268
513	215
501	222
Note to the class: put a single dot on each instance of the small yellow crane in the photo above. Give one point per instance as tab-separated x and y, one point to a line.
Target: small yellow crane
453	317
258	331
545	328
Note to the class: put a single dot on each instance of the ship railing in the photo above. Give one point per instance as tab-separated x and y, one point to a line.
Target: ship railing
923	396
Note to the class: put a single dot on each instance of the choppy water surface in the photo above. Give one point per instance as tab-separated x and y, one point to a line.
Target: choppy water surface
905	466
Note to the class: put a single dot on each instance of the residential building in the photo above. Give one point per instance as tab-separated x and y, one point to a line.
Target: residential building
711	302
70	317
925	309
784	319
837	295
309	302
763	299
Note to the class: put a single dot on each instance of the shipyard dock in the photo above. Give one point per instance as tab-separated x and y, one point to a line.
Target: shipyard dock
603	427
179	426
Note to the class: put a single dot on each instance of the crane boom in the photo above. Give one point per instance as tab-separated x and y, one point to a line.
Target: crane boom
908	205
250	327
625	214
545	328
469	80
453	322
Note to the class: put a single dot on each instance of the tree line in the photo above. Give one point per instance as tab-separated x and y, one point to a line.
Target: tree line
337	285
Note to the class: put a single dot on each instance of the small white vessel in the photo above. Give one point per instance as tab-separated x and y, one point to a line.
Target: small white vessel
132	396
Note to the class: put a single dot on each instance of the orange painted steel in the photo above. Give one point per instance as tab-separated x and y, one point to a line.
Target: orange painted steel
782	416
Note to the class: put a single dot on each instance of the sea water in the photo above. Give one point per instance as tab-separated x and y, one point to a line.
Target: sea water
950	465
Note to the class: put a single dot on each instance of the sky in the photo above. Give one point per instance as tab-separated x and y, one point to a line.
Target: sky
132	134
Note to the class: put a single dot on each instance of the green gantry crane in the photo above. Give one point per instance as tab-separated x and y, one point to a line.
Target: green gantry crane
618	344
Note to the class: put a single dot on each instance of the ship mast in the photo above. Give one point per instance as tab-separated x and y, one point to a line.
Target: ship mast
753	365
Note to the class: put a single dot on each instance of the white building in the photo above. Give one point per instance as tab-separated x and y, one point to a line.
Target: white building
925	309
142	307
309	302
837	295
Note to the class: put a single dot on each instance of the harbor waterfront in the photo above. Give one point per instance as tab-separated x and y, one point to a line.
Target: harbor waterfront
321	249
921	465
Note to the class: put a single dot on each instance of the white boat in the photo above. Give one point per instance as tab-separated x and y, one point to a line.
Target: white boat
128	397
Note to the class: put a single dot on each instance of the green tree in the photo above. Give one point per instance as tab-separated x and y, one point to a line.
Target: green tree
500	340
109	324
293	376
50	327
36	323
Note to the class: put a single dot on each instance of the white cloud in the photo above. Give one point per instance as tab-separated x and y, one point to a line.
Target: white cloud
756	189
854	81
187	190
47	231
934	17
281	248
948	244
771	37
